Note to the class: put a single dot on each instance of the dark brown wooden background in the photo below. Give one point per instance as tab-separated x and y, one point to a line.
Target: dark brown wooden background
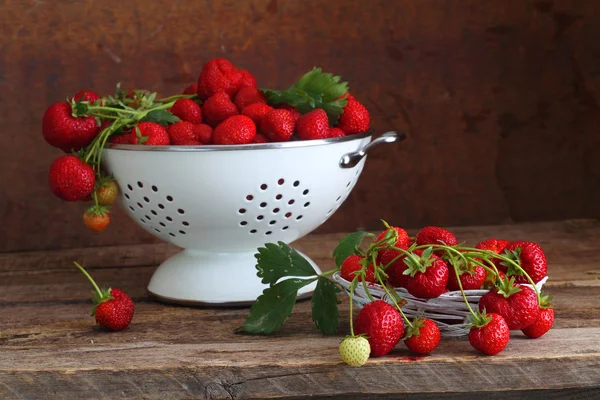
498	98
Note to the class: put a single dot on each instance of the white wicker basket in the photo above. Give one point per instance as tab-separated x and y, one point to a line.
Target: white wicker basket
449	310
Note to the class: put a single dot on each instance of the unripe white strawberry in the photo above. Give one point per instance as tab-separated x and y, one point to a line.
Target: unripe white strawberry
355	350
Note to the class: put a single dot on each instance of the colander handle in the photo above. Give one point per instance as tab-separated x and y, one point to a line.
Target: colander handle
350	160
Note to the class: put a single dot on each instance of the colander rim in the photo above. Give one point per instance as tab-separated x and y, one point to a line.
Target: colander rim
251	146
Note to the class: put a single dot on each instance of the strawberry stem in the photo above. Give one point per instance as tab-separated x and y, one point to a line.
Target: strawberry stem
352	286
89	278
177	97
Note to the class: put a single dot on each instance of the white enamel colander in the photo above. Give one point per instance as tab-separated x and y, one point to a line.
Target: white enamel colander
220	203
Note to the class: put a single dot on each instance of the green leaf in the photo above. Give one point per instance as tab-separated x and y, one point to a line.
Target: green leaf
273	307
347	246
278	260
325	312
162	117
313	90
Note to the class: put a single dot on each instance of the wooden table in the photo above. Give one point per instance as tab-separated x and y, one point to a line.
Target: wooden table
50	348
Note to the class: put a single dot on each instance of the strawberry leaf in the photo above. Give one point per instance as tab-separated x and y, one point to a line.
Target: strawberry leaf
276	261
348	246
324	306
315	89
273	307
162	117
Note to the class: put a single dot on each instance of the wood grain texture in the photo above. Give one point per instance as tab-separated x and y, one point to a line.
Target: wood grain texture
498	98
49	347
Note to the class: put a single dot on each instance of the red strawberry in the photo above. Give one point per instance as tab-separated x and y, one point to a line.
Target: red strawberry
113	309
260	138
397	237
86	95
472	276
246	79
218	75
352	264
238	129
96	218
423	336
355	118
335	132
124	138
423	275
543	323
382	324
181	133
278	125
436	235
64	131
530	257
489	333
387	256
217	109
203	133
495	245
192	89
295	113
187	110
149	134
313	125
517	304
256	112
71	179
247	96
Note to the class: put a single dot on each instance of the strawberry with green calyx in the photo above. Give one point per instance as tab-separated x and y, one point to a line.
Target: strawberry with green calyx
424	274
544	321
107	191
113	309
353	266
530	259
96	218
150	134
489	333
470	274
422	336
355	350
517	304
314	90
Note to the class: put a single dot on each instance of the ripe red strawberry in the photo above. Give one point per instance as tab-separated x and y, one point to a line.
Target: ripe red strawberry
218	75
260	138
335	132
423	275
149	134
313	125
355	118
203	133
238	129
489	333
278	125
382	324
247	96
64	131
257	112
352	264
187	110
295	113
436	235
495	245
107	192
113	309
124	138
246	79
544	321
387	256
192	89
87	95
96	218
517	304
217	109
71	179
472	276
181	133
530	257
396	237
423	337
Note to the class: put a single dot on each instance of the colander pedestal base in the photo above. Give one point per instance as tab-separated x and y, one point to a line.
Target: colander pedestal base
194	277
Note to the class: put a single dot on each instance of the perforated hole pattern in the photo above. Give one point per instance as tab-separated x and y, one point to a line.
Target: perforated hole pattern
164	220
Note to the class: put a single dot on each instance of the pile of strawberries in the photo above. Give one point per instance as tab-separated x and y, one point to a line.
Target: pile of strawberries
433	263
225	107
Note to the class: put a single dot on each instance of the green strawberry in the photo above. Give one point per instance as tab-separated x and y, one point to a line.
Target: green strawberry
355	350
